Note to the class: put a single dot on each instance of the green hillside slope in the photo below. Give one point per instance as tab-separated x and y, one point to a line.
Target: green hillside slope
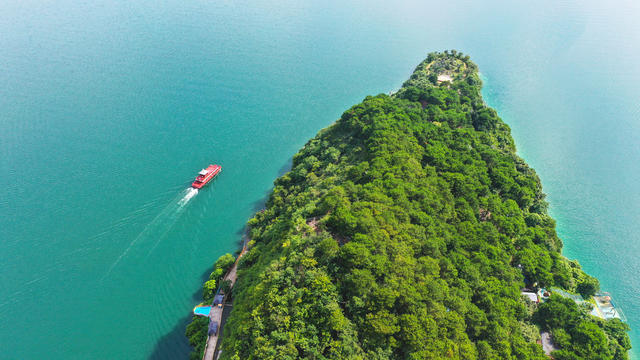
407	230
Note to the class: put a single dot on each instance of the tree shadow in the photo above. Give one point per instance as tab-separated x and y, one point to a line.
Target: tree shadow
260	203
173	345
286	167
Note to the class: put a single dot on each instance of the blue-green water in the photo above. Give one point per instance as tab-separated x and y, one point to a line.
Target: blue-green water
109	108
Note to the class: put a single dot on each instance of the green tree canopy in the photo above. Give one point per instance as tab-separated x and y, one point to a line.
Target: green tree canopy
406	230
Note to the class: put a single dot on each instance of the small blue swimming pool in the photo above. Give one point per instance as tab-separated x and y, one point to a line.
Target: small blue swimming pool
202	310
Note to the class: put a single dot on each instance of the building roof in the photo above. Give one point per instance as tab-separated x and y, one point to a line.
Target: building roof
213	327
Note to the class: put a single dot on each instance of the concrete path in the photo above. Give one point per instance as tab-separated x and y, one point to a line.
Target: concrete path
216	312
212	341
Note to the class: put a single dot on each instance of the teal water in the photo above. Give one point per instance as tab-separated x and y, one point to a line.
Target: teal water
108	109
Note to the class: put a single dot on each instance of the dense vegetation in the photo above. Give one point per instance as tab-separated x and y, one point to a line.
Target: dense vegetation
197	330
406	231
579	336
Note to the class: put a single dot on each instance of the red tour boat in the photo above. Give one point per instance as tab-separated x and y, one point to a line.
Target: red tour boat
205	175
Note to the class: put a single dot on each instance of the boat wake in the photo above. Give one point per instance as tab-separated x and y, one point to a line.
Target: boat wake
158	228
191	192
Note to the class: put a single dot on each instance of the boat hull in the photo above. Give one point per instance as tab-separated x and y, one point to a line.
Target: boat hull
202	180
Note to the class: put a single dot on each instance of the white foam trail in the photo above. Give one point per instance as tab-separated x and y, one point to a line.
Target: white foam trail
127	219
160	225
191	192
12	298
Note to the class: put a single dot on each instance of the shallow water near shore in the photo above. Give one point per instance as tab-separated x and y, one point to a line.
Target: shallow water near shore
108	110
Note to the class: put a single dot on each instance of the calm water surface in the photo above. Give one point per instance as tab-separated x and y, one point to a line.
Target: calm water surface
109	108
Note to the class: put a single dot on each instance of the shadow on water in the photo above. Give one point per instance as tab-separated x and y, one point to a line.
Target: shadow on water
174	344
286	167
260	203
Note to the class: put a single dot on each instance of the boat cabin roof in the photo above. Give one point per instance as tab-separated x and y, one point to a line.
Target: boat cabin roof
203	172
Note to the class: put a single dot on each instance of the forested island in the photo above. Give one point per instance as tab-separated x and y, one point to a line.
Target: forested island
409	230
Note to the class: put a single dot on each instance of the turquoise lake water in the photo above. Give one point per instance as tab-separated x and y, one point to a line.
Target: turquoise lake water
108	109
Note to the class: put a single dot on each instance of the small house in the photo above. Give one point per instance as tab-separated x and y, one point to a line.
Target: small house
213	328
218	300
